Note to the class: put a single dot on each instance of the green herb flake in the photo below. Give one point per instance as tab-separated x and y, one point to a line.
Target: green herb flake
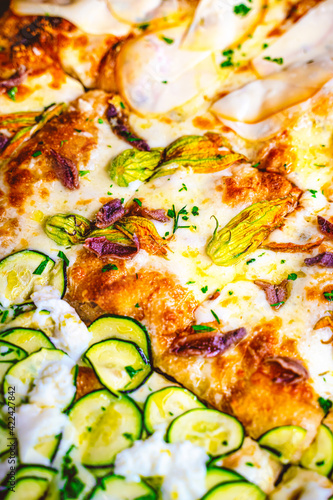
319	165
195	211
283	261
256	165
250	261
100	120
4	316
313	193
320	463
36	153
164	81
325	404
204	289
82	173
136	200
39	269
62	256
128	436
226	64
190	282
12	93
215	316
183	188
109	267
292	276
250	464
137	304
203	328
78	130
143	26
132	371
167	40
277	60
175	216
265	45
277	304
89	429
241	9
122	105
230	292
329	296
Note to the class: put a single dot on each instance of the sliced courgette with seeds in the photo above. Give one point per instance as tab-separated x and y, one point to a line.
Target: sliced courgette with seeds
36	471
105	425
240	490
319	455
11	352
28	488
27	370
165	405
58	277
31	320
120	365
219	475
111	326
20	273
28	339
118	488
284	441
4	367
215	431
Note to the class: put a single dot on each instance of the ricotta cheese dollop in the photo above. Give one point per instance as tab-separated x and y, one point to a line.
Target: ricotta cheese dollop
181	465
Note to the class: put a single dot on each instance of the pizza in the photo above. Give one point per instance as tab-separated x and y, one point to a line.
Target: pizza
166	228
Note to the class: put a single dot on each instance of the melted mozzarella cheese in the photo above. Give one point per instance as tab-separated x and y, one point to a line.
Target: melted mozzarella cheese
215	25
156	75
310	38
70	333
182	466
92	16
153	384
303	485
133	11
260	99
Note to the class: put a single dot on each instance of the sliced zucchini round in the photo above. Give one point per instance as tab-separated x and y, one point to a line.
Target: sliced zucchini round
117	487
28	339
4	436
284	441
105	425
31	320
111	326
120	365
27	370
240	490
319	455
11	352
20	272
215	431
42	471
58	277
28	488
219	475
165	405
4	367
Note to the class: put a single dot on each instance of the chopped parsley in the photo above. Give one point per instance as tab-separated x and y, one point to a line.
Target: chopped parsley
109	267
225	64
325	404
12	93
320	462
241	9
277	304
78	130
195	211
137	304
164	81
204	289
215	316
319	165
39	269
277	60
256	165
250	464
203	328
283	261
143	26
175	216
63	142
183	188
138	202
265	45
230	292
62	256
36	153
4	316
190	282
250	261
129	436
132	371
292	276
73	485
313	193
82	173
122	105
100	120
329	296
167	40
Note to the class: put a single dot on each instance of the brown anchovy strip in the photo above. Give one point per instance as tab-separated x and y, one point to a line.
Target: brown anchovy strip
325	226
120	126
207	344
101	246
14	80
65	170
292	371
158	214
109	213
3	141
324	259
276	295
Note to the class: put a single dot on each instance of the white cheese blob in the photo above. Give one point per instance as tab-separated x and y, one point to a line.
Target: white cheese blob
182	466
70	333
133	11
303	485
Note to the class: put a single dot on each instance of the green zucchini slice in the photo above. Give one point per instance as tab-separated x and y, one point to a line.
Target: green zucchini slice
42	471
284	441
11	352
28	488
20	272
117	487
120	365
58	277
319	456
28	339
4	367
27	370
4	438
120	327
165	405
105	425
217	432
219	475
240	490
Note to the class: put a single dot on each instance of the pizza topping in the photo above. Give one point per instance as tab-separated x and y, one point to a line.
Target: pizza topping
16	79
276	295
132	165
102	246
292	247
245	232
3	141
65	170
146	233
291	371
149	213
207	343
119	122
110	213
67	230
324	259
325	226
